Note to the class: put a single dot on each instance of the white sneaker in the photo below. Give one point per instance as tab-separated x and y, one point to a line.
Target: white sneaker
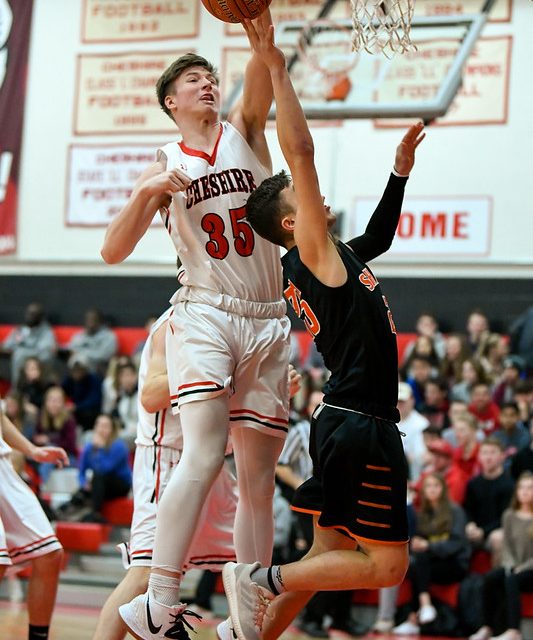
148	620
225	630
406	629
427	614
247	600
383	626
484	633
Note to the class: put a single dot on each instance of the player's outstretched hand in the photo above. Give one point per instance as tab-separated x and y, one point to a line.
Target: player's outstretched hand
260	33
167	182
50	454
405	152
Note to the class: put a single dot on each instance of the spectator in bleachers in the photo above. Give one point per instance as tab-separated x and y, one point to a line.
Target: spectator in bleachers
505	387
420	373
472	373
435	406
126	403
457	351
110	383
439	551
515	576
96	343
55	427
456	409
523	396
521	334
465	454
427	325
84	390
32	385
14	410
413	424
34	338
107	457
491	356
487	496
513	433
523	460
423	347
441	462
486	412
477	330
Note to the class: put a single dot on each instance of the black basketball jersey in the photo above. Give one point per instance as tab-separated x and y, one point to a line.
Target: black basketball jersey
354	331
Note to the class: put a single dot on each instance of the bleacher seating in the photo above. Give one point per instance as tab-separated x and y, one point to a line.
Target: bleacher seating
129	337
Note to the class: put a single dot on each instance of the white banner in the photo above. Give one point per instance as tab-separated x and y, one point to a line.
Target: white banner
432	227
101	179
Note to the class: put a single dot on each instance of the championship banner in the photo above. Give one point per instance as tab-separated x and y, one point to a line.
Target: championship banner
432	227
131	20
483	97
101	179
115	93
15	23
500	12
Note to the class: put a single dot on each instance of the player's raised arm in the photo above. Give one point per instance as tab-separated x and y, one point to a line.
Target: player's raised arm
311	223
251	112
381	228
154	188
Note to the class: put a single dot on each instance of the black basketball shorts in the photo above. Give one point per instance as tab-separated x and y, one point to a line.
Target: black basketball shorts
359	480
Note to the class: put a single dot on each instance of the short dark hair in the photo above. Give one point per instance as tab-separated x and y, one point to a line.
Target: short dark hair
174	71
265	207
510	405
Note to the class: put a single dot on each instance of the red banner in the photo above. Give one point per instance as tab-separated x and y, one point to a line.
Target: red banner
15	22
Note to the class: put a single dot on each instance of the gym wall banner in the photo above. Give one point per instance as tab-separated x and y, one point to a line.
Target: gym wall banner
15	23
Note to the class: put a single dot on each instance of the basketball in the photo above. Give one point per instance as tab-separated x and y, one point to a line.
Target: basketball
236	10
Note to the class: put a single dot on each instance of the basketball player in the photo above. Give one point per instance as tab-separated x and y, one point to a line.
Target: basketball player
26	536
227	343
357	491
158	446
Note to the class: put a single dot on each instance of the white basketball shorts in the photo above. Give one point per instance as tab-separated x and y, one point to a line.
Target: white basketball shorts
25	532
211	351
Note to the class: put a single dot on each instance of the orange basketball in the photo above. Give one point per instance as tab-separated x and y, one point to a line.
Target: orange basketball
236	10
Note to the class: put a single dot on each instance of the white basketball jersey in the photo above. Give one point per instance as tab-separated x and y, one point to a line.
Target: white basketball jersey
217	247
161	428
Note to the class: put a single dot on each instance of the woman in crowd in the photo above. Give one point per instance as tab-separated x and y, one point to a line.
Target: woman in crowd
105	472
32	385
439	550
457	351
502	586
471	373
55	427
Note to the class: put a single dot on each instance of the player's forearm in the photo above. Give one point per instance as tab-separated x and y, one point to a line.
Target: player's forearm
293	133
129	226
155	395
257	93
14	438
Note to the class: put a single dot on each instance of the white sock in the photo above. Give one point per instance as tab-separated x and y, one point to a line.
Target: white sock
164	589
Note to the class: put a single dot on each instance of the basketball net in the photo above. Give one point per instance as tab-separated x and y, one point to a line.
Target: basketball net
382	26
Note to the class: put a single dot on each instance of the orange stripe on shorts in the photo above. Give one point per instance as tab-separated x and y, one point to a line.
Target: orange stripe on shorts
374	468
373	524
382	487
374	504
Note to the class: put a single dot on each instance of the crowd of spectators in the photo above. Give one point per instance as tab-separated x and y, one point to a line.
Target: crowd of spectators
466	406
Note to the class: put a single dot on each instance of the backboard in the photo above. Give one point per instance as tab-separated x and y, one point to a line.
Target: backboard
333	83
